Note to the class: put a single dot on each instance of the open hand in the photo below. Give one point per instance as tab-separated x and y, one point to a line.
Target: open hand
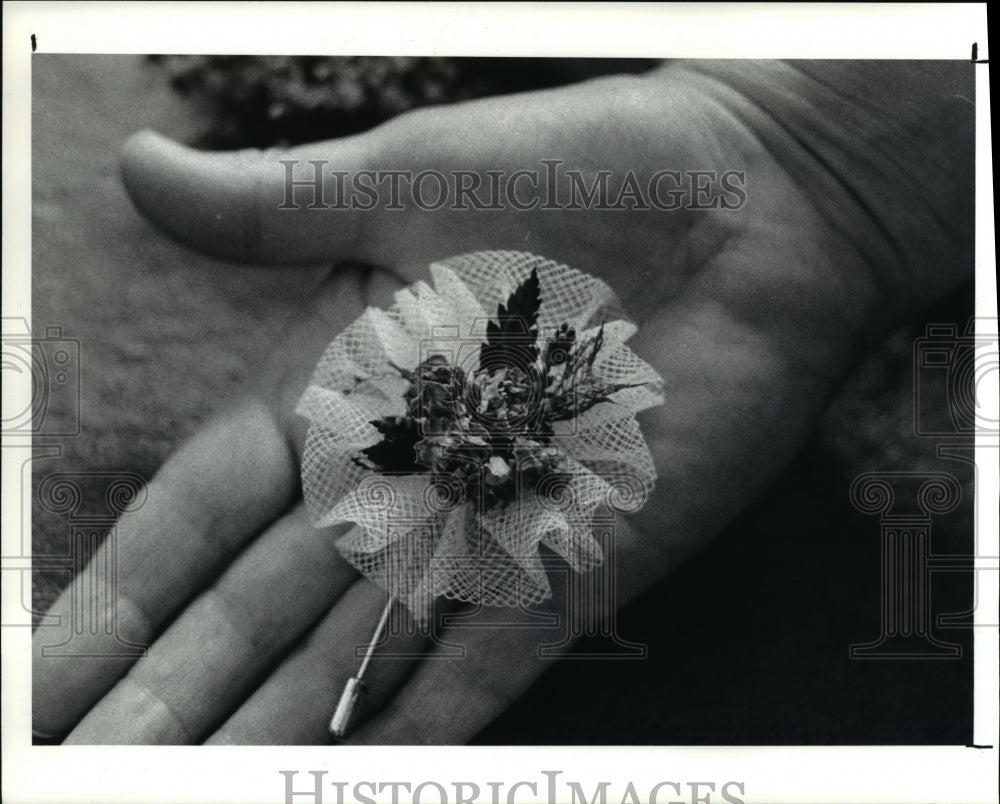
855	217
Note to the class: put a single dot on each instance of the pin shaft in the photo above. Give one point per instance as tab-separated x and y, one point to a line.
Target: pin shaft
355	689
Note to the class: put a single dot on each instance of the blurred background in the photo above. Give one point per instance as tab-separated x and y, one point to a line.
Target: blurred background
747	644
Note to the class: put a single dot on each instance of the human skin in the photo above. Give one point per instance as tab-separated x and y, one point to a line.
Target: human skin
858	214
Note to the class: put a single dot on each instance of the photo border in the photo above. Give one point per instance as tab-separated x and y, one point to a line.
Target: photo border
247	775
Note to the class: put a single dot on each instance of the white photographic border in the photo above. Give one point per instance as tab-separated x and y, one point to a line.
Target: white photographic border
54	775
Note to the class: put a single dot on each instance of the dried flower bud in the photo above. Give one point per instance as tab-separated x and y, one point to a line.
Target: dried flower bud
498	470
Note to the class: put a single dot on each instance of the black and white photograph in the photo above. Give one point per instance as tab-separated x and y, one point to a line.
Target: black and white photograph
511	418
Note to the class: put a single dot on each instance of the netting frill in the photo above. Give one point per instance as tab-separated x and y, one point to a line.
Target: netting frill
417	535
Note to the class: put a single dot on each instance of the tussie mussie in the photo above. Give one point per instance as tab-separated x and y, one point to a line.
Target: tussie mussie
473	422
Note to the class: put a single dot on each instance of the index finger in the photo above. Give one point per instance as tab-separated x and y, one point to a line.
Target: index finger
236	475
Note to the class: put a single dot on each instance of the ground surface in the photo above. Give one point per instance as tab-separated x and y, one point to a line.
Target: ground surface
748	643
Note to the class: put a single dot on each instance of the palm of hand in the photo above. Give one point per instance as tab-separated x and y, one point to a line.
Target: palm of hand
750	315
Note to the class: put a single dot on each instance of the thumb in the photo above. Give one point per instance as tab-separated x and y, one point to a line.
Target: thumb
248	206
